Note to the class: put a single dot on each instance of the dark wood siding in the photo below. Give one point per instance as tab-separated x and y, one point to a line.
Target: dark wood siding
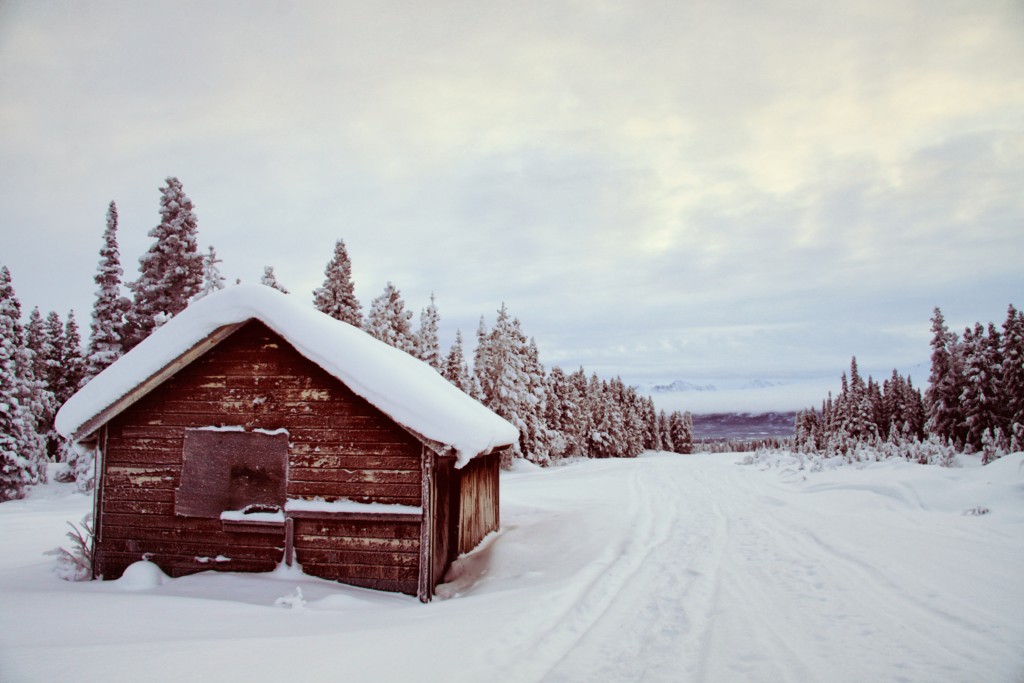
375	554
478	501
340	446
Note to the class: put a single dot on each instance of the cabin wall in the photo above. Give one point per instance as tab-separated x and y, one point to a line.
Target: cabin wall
478	501
339	446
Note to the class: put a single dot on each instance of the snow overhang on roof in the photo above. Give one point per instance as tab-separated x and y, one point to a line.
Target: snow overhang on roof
406	389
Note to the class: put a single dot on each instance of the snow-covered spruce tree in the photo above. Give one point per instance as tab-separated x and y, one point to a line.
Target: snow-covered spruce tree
680	426
945	417
110	307
605	420
37	341
213	281
980	398
482	363
564	413
22	451
456	371
337	296
665	432
270	280
64	361
63	374
539	439
171	271
1012	373
806	429
389	321
581	427
652	436
42	342
428	346
509	382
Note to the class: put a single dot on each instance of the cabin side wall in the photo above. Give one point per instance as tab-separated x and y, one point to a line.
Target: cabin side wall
478	501
339	447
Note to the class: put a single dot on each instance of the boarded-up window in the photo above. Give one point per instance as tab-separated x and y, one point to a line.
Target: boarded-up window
225	470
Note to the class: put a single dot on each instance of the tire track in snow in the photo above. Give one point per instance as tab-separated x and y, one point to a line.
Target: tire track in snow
572	612
654	621
855	619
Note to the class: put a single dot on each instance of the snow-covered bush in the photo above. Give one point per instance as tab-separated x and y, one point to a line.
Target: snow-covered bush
76	564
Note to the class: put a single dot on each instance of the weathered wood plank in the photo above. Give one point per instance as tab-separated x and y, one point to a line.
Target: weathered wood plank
403	494
353	557
351	543
353	476
137	507
345	572
139	494
407	587
185	525
192	549
342	529
336	456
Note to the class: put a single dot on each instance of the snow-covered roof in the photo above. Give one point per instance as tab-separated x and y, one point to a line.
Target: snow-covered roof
409	391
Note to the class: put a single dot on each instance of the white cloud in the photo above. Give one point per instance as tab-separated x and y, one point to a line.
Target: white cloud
652	187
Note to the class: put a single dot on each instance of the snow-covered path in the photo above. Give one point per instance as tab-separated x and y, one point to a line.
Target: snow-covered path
665	568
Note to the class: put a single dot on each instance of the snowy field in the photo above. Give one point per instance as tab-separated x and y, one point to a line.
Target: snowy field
664	568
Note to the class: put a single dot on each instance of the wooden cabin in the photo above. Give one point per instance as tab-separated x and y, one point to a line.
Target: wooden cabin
250	431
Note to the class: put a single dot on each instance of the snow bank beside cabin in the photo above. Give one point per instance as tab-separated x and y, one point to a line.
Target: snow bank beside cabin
404	388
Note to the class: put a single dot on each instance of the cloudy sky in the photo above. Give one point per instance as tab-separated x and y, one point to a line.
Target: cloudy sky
710	191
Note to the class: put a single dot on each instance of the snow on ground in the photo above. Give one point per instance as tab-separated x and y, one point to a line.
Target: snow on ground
664	568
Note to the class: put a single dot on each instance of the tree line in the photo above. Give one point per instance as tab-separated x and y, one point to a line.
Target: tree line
42	362
974	402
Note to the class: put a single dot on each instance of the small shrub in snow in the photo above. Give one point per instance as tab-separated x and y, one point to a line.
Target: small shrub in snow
993	445
76	564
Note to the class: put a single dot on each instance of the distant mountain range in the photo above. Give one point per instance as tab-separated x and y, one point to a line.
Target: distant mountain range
682	385
743	426
761	384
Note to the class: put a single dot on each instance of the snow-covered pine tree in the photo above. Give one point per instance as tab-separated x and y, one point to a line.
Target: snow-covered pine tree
604	421
389	321
270	280
1012	373
43	340
22	450
537	445
580	427
455	369
110	307
652	437
171	271
74	360
62	372
428	346
680	426
945	417
337	296
665	432
53	354
563	414
37	341
213	281
481	362
512	384
980	397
